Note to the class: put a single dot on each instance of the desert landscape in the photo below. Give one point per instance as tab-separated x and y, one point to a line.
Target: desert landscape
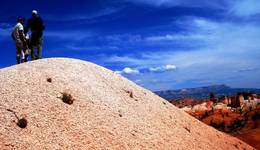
62	103
237	115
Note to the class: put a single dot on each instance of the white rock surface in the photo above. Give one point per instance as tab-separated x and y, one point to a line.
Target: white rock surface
102	116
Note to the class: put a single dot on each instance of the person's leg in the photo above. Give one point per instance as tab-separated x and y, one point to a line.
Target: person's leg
19	47
30	50
17	58
27	53
39	48
17	53
32	46
23	55
33	52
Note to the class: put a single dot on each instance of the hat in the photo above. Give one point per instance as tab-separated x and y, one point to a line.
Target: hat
34	12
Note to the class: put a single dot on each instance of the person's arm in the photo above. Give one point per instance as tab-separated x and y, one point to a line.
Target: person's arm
22	36
21	33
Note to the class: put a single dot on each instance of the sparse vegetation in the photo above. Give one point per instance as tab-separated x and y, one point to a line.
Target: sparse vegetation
218	125
49	80
67	98
22	123
131	95
187	129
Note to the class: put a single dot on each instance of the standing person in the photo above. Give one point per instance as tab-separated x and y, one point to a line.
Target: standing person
37	26
19	38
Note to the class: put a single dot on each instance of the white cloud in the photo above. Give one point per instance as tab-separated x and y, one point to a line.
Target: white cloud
155	69
157	2
218	36
162	68
187	3
134	71
68	34
138	81
5	25
100	13
227	47
129	71
123	38
170	67
72	46
174	37
245	8
5	33
241	8
122	59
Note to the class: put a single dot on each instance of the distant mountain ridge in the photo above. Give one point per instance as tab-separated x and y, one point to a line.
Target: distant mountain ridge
203	92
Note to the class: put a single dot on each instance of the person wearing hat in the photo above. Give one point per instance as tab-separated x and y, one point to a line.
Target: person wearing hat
19	38
36	25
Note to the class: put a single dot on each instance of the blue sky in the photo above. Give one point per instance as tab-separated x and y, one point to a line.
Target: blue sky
159	44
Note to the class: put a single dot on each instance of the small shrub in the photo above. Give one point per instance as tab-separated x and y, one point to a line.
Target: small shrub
187	129
22	123
67	98
49	80
131	95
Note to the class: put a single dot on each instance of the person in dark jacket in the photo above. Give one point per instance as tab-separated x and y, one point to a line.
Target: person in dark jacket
36	25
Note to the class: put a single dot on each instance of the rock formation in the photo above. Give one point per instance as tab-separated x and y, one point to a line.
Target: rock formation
71	104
